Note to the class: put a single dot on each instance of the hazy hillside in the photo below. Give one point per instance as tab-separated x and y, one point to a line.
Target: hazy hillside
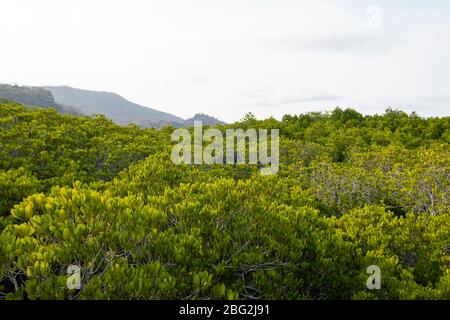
110	104
33	96
113	106
204	118
160	124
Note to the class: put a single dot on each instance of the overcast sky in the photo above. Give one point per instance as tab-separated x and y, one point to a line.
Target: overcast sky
229	57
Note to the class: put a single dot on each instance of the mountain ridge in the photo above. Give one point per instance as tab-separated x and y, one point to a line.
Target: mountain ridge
77	101
111	104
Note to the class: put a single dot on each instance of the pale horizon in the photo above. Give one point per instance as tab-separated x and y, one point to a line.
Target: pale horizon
228	58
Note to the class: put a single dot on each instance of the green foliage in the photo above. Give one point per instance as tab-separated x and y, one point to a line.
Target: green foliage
352	191
15	185
59	150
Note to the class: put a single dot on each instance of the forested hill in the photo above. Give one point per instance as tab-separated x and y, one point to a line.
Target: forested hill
34	96
352	191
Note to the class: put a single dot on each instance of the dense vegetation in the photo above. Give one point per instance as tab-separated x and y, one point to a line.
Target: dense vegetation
352	191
